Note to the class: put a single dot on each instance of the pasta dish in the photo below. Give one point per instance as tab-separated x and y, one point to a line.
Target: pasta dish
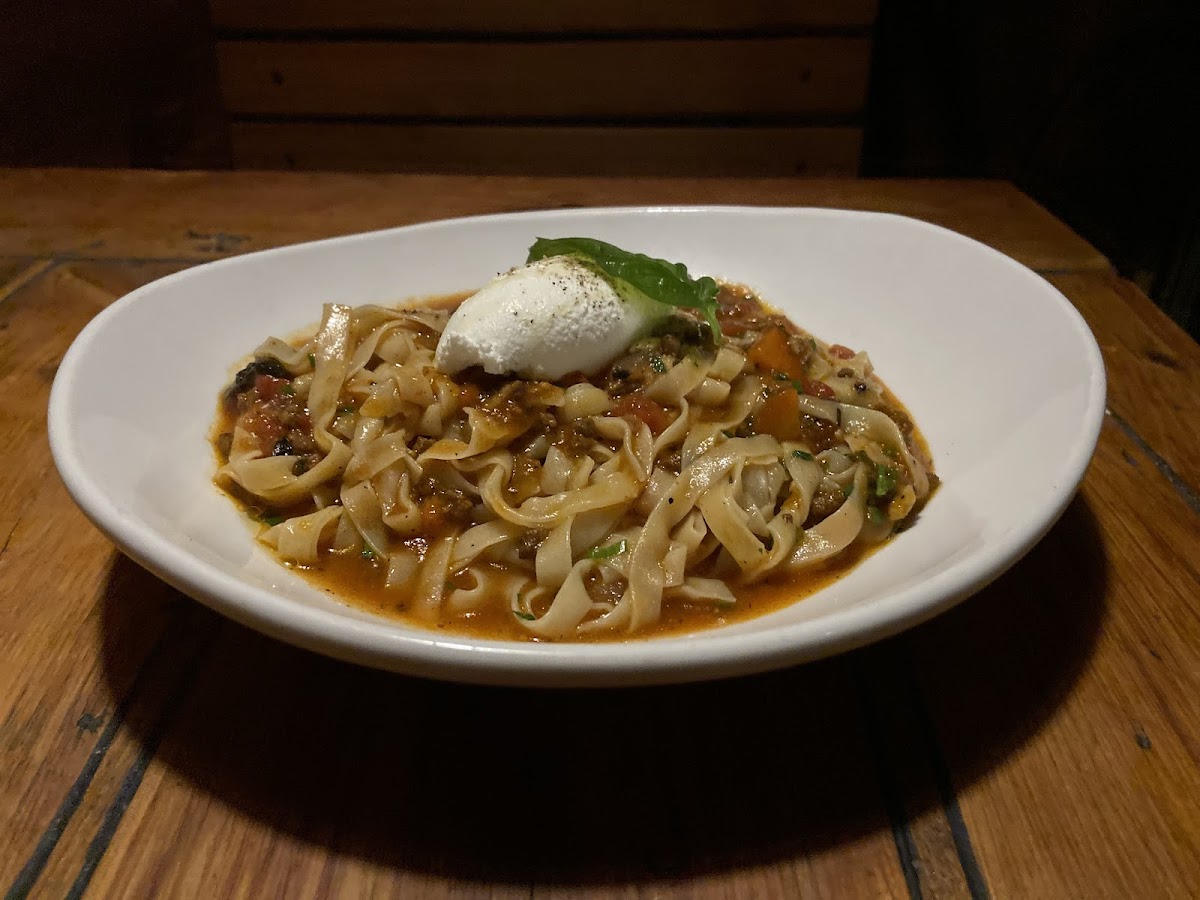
592	440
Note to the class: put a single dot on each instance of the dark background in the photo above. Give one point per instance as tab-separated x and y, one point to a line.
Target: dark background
1088	106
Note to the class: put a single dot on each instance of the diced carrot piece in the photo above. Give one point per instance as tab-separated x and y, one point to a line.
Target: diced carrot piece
779	415
773	353
639	406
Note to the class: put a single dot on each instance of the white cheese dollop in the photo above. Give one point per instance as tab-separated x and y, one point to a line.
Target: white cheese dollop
542	320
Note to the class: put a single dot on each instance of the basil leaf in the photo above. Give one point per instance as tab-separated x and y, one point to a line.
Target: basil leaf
657	279
605	552
885	481
803	454
523	615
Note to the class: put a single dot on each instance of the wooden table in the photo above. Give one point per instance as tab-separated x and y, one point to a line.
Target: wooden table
1041	740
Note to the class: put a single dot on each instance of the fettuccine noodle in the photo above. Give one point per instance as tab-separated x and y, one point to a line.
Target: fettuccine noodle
680	474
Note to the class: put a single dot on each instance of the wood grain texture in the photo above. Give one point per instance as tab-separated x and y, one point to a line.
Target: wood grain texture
620	79
1072	684
14	270
549	150
333	781
210	215
505	17
1042	740
1155	383
55	701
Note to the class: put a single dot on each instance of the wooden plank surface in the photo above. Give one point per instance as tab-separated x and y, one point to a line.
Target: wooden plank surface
327	778
1159	397
1042	740
505	17
57	700
210	215
496	80
1067	705
547	149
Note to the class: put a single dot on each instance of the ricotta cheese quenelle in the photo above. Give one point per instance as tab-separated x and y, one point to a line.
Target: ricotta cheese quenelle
543	320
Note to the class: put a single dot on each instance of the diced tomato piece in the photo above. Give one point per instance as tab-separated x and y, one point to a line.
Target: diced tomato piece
818	389
267	387
840	351
639	406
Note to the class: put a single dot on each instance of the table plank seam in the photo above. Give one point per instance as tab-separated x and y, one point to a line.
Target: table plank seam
37	269
906	849
144	260
959	833
1180	486
132	779
42	852
8	538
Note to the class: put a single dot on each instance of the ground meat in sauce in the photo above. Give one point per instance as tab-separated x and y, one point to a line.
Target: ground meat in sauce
575	438
521	404
265	407
825	503
632	372
243	381
739	311
818	434
528	543
442	506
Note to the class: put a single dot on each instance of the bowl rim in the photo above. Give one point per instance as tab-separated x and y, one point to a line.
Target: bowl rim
703	655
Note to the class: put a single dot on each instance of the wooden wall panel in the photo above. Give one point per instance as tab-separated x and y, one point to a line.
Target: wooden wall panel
504	16
559	150
629	79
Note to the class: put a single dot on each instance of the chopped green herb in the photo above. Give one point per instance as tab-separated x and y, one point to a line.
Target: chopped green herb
288	390
848	490
658	364
782	376
654	279
368	553
875	515
273	520
528	617
614	549
803	454
885	480
312	360
300	466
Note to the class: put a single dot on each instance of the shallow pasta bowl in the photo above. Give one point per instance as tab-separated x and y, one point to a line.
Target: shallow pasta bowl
995	366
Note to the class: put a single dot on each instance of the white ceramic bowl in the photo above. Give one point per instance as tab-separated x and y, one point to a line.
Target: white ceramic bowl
998	370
